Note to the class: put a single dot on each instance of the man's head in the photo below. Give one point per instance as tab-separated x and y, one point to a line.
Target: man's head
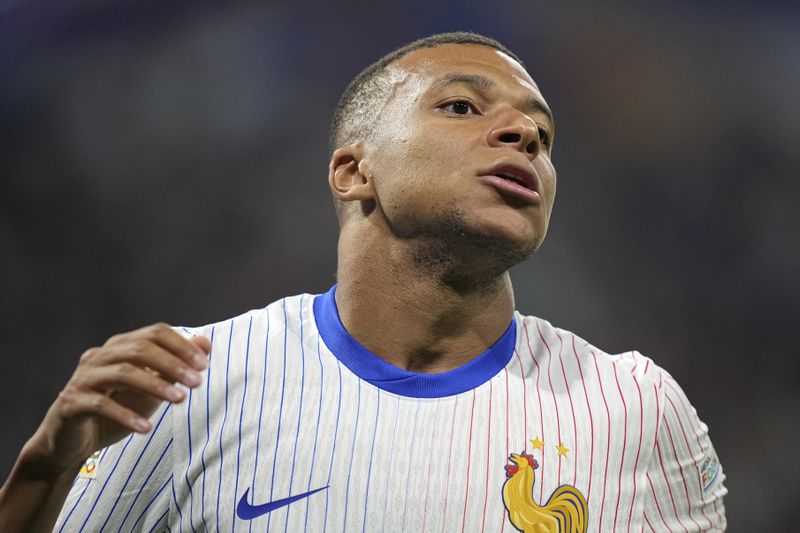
444	144
361	103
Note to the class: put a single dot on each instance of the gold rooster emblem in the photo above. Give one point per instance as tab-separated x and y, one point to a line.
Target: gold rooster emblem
564	512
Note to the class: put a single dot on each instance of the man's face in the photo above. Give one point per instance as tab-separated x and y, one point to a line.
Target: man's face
464	136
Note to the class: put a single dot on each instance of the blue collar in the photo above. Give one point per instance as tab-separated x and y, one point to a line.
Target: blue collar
378	372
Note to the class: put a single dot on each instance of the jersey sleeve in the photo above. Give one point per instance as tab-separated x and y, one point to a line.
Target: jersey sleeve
684	479
125	487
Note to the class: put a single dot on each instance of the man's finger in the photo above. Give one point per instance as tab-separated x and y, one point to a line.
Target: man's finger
145	354
100	405
169	339
131	377
203	343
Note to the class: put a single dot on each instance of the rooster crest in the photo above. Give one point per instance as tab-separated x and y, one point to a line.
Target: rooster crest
564	512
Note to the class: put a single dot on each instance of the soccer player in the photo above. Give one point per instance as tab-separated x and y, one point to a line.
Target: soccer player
409	397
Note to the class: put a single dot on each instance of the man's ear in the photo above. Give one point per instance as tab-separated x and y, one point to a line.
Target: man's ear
348	174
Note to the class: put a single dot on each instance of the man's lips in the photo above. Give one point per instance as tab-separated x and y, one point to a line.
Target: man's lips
518	180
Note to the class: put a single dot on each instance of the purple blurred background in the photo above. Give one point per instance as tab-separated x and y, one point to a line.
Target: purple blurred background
167	161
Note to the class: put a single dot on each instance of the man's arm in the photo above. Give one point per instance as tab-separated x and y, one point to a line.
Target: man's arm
684	483
113	391
33	494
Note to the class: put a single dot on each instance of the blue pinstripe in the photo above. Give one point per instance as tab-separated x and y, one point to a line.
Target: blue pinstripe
189	466
316	430
299	414
280	411
100	493
260	413
178	507
352	453
241	417
391	454
144	484
222	427
85	488
159	522
410	460
136	463
371	454
208	433
152	501
88	482
333	452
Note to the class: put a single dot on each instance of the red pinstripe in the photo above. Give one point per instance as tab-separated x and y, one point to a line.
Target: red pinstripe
624	444
430	462
648	523
552	391
469	462
608	438
658	414
655	499
505	371
669	487
657	388
503	514
524	400
541	416
449	459
680	467
685	409
591	418
638	449
488	459
572	409
689	448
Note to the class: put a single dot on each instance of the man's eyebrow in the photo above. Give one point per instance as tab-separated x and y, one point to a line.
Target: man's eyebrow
537	105
484	84
477	81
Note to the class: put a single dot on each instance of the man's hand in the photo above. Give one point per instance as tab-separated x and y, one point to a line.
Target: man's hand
115	388
112	393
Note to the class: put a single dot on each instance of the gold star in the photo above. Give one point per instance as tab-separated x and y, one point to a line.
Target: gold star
562	450
537	443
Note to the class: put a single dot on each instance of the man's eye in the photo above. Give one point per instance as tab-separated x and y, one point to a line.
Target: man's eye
544	137
459	107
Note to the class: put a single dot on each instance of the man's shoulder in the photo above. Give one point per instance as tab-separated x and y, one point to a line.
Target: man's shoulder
542	338
288	310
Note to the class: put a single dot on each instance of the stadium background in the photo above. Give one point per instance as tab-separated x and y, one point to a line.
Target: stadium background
167	161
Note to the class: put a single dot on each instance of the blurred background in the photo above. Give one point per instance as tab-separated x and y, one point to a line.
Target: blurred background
167	161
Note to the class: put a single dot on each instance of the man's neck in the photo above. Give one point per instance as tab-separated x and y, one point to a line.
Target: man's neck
409	317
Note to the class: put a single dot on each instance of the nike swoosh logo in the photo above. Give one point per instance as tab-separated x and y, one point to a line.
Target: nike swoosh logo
248	512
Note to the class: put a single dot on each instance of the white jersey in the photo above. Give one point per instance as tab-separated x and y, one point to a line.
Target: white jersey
299	428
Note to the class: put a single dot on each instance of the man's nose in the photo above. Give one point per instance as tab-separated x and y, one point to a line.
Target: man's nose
519	133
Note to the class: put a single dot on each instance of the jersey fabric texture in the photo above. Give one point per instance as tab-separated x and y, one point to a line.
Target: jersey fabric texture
298	427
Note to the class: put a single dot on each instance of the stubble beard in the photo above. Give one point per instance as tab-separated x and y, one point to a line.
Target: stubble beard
464	258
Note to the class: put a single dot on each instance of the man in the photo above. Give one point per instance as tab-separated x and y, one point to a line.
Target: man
411	396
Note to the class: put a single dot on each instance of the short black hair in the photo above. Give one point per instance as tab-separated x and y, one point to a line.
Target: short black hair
359	107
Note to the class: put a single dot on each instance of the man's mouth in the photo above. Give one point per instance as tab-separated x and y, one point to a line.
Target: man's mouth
515	179
512	177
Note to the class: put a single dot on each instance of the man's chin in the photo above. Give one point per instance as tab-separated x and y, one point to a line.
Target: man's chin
476	267
467	257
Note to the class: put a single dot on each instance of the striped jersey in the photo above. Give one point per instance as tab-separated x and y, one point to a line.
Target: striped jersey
298	427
